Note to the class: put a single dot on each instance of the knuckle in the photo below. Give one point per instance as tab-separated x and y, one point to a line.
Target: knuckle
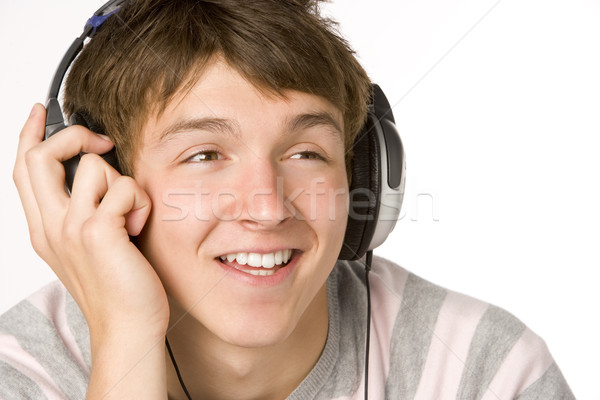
18	169
91	232
81	134
89	160
79	130
16	176
38	241
72	133
34	156
125	182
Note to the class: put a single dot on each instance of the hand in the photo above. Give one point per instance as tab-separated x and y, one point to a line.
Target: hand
85	238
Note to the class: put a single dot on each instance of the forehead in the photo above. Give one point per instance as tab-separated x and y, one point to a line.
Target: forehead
222	99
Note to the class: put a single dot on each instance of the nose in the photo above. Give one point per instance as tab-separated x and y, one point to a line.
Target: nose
264	200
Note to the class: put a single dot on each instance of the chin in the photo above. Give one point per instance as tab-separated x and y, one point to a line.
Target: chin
255	333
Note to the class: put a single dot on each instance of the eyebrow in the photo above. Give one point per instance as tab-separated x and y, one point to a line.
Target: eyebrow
309	120
210	124
231	127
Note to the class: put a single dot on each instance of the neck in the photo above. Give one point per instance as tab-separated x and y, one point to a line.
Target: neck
213	369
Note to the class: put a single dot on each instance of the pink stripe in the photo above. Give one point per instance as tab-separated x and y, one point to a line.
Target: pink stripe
51	301
527	361
387	286
14	355
453	332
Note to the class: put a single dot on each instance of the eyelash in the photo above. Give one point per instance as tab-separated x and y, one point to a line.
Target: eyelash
314	154
204	152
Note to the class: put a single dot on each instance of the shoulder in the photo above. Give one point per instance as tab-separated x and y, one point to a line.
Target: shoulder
44	347
436	343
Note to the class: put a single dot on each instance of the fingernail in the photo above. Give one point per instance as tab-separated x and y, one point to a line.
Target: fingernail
104	137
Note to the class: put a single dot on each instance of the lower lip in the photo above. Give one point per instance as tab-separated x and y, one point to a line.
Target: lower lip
277	278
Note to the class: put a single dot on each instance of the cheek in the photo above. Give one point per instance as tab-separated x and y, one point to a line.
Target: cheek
179	221
195	204
324	204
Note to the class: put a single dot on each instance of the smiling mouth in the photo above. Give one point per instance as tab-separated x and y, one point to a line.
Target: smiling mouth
258	264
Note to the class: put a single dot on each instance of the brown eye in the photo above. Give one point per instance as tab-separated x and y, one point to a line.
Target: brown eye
204	156
307	155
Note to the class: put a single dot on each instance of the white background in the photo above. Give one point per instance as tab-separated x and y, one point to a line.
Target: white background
498	106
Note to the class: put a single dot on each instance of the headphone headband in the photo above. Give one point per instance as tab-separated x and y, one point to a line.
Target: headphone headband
89	30
55	120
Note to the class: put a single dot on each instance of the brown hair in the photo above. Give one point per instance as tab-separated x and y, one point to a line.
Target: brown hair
143	55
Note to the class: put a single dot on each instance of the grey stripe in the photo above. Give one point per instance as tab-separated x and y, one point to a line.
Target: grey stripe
413	330
16	386
79	329
550	386
496	334
352	299
37	335
319	380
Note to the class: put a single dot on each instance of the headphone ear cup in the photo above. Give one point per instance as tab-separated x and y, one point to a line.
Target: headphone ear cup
365	189
83	119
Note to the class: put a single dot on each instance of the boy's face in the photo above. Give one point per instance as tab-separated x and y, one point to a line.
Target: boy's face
232	170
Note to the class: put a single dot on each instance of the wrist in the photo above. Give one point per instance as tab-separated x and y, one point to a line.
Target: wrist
126	365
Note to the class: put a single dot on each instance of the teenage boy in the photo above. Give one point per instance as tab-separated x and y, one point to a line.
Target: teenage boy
233	123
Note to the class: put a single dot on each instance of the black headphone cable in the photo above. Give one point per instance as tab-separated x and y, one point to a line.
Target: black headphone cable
177	369
368	261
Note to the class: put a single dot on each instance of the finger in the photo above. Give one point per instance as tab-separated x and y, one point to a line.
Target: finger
47	174
30	136
126	205
93	178
33	130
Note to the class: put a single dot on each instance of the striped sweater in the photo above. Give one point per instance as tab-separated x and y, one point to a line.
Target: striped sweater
426	343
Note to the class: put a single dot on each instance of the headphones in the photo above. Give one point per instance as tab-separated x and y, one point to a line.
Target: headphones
378	166
55	120
378	180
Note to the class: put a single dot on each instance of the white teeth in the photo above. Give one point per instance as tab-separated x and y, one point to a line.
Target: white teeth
268	260
257	260
259	272
242	258
286	255
254	259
